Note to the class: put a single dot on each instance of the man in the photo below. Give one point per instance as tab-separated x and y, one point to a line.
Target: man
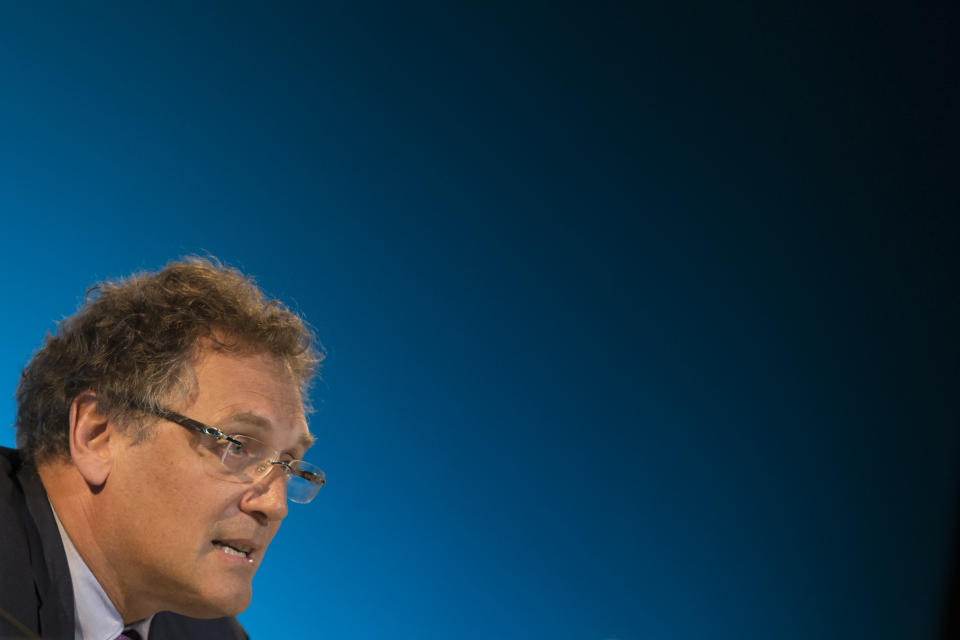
160	433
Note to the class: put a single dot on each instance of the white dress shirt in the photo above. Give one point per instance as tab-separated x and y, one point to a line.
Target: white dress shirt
95	617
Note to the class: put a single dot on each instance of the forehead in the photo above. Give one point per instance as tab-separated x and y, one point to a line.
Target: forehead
254	391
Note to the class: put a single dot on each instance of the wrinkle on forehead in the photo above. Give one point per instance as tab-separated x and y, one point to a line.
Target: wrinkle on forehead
259	422
220	341
248	389
186	390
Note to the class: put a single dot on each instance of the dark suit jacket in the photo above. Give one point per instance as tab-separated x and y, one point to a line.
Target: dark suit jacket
35	585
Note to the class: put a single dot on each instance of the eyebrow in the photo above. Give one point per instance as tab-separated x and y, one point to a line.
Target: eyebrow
260	423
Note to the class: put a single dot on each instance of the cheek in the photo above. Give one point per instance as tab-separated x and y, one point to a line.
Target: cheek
176	497
173	478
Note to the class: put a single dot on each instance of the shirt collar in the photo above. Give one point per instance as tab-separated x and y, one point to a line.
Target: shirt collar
95	617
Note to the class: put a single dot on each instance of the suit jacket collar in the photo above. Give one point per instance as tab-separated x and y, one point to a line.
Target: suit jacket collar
51	572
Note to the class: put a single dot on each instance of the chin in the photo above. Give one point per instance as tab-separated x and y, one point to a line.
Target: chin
218	605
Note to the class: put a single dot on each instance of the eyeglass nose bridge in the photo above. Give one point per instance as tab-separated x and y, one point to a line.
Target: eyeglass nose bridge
264	468
294	491
262	478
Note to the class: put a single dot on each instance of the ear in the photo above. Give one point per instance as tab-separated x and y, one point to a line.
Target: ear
91	436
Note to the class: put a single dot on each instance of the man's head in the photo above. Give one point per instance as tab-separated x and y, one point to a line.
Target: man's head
152	505
133	343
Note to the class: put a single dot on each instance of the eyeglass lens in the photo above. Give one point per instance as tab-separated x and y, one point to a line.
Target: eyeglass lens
251	460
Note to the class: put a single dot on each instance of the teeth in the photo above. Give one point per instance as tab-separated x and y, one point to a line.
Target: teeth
233	551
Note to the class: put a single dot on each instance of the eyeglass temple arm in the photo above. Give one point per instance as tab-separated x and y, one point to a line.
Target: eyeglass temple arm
189	423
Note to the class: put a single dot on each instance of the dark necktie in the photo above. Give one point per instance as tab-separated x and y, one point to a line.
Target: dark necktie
129	634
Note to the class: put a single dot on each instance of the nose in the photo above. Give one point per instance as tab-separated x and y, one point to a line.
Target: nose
266	499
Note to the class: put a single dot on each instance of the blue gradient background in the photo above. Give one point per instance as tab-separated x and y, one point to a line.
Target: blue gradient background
641	322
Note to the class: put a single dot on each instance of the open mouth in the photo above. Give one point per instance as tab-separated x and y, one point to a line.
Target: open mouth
235	549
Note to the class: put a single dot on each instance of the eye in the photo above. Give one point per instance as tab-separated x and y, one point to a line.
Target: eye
237	449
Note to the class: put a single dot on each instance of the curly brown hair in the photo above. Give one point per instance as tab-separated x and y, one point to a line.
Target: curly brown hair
133	341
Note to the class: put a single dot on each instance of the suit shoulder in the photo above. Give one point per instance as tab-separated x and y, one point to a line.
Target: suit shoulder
10	463
17	590
12	501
